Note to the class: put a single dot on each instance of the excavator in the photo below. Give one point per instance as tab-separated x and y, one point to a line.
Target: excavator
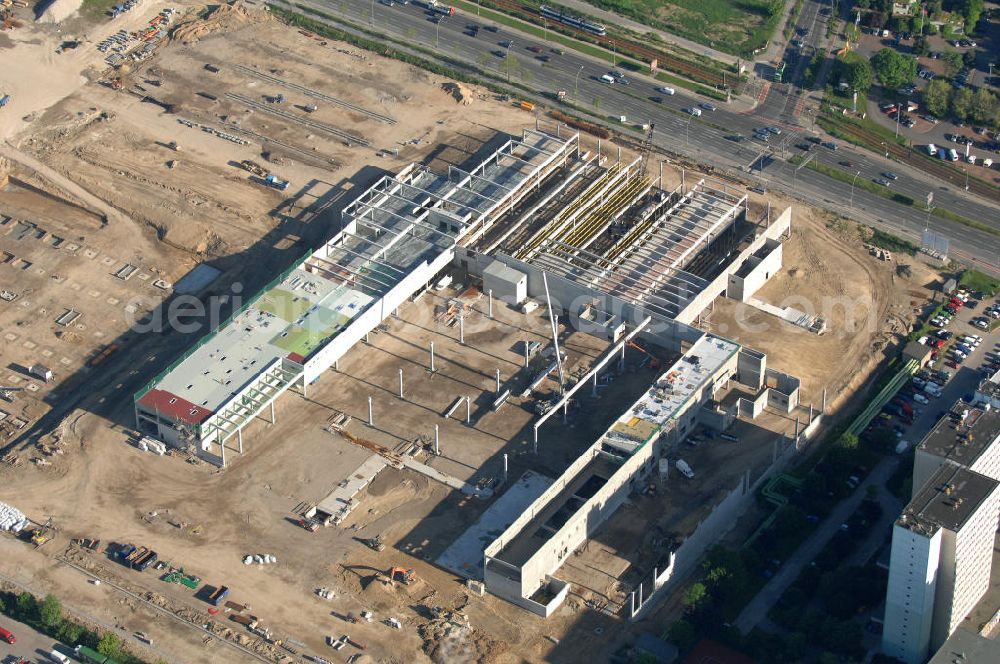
41	536
403	575
654	362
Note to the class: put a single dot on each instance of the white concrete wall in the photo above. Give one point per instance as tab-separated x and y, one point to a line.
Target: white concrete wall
743	288
913	574
719	285
585	521
967	557
988	462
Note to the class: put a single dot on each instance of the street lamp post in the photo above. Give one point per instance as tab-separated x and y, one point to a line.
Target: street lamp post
507	58
687	132
576	82
886	150
899	109
966	178
851	206
437	34
373	13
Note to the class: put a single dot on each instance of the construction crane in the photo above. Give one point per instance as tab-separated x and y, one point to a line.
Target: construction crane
647	147
555	334
654	362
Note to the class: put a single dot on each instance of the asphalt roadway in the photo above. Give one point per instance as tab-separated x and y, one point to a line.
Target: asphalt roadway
31	645
707	139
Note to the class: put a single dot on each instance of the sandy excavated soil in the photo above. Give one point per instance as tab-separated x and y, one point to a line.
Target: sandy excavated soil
202	208
828	272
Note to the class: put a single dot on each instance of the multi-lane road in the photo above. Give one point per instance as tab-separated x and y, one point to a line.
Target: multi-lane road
709	138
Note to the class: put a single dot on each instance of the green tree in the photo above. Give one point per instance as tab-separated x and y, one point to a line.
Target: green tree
69	632
858	74
848	441
51	611
695	596
972	10
961	103
984	106
893	68
969	58
952	62
683	635
937	97
27	607
110	646
921	47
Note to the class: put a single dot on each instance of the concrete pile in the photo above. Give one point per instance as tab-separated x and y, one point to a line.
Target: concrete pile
11	518
147	444
260	559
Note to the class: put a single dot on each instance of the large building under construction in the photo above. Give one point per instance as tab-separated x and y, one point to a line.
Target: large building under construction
599	241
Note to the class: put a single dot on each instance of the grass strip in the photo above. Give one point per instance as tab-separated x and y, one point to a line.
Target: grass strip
979	281
886	192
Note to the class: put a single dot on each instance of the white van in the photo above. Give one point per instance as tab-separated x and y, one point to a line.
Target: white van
57	656
952	155
667	90
696	112
931	149
610	80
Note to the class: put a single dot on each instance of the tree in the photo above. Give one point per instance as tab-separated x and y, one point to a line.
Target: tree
694	597
27	607
952	62
856	72
984	106
51	611
921	47
683	635
848	441
969	58
69	632
110	646
937	97
973	8
893	68
961	103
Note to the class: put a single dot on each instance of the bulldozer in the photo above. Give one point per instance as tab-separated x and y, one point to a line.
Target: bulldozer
403	575
374	543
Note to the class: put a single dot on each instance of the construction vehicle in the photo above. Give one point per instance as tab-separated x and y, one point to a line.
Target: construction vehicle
4	100
654	362
307	524
374	543
271	181
7	393
41	535
403	575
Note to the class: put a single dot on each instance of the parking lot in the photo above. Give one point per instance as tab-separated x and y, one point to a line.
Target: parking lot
962	377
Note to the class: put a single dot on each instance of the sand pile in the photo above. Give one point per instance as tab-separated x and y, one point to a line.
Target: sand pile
58	11
461	93
222	18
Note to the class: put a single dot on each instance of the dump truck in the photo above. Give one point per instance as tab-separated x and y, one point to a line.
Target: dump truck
271	181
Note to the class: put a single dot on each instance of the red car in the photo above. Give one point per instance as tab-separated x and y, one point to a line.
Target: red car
7	636
938	344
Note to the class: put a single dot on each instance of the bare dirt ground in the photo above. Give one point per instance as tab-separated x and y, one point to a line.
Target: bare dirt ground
828	272
191	205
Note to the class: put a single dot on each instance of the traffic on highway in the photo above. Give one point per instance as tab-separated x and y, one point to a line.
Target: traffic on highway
696	127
